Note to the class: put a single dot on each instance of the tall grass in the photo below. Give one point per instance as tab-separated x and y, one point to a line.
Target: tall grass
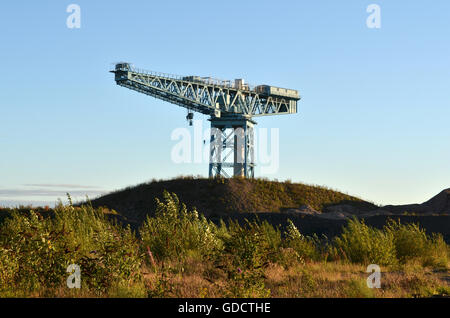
306	248
175	232
360	243
395	243
36	251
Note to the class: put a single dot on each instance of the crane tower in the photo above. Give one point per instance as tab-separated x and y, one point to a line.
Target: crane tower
230	105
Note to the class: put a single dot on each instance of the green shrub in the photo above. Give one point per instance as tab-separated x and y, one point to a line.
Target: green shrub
107	252
437	253
308	284
360	243
356	288
115	261
246	284
36	251
175	232
163	287
32	249
412	242
250	246
247	250
305	247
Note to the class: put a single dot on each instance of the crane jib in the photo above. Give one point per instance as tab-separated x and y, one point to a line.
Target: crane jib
207	96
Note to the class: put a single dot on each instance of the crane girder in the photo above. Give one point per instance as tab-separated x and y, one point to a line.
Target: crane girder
203	97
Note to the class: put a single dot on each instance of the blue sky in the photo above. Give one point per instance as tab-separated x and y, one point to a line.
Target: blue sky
373	120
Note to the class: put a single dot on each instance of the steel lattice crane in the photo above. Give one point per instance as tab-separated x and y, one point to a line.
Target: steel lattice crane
231	105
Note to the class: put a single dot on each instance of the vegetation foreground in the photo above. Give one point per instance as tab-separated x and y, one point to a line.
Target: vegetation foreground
179	253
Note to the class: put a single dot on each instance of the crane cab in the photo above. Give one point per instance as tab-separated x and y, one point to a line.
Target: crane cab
122	66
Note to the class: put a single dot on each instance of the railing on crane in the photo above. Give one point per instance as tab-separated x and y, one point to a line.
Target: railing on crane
127	67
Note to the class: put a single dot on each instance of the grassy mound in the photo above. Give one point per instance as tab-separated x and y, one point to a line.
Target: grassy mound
219	197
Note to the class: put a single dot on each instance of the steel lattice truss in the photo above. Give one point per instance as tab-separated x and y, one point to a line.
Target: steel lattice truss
204	97
232	140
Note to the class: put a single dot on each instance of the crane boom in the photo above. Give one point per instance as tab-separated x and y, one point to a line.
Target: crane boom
206	96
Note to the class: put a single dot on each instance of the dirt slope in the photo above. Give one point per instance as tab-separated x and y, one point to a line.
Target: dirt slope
439	204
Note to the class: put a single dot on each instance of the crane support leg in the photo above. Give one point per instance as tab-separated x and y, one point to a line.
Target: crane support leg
232	147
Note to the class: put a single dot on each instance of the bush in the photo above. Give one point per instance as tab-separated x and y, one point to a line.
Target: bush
247	250
360	243
175	232
36	251
357	288
305	247
246	284
31	253
251	246
437	252
412	242
395	243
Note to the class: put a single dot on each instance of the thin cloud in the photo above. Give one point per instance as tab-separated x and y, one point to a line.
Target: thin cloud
49	185
34	203
10	193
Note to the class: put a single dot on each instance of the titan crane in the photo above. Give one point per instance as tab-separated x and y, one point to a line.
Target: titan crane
230	105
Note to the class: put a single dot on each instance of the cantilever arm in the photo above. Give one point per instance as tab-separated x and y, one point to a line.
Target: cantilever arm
203	97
